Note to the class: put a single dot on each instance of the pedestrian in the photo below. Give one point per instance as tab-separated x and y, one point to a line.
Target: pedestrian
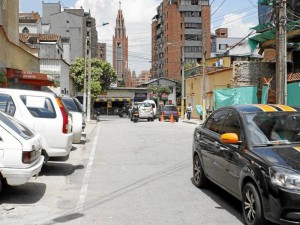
189	109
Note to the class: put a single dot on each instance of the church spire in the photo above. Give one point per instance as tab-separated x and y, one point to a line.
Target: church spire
120	3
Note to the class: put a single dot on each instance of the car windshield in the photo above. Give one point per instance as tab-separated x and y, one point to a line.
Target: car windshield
145	104
273	128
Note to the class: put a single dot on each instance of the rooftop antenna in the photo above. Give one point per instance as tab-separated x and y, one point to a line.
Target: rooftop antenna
120	4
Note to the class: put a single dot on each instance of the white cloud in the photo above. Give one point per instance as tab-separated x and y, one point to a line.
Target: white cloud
237	25
138	16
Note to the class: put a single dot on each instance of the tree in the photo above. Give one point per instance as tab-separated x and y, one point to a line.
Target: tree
102	74
159	89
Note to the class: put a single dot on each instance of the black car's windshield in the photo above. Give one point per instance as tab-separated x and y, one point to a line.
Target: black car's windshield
273	127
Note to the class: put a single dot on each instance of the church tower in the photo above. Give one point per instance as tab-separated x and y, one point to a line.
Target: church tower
120	50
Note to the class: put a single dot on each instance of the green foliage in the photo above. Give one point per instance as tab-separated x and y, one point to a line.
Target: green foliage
190	65
102	74
159	89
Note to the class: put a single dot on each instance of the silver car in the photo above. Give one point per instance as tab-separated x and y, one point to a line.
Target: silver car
146	111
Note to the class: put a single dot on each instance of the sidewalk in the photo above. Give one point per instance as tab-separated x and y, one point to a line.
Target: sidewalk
89	128
192	121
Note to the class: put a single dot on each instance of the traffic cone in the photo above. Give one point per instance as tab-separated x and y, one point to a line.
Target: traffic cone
172	119
162	117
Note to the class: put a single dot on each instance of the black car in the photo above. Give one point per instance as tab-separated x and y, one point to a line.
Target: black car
253	152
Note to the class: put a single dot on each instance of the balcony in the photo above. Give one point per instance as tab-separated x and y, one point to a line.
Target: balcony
192	19
193	31
187	8
159	31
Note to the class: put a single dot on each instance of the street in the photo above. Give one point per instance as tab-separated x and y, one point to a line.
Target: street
125	174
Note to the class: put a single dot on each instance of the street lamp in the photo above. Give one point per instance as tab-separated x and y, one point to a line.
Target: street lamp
90	73
182	82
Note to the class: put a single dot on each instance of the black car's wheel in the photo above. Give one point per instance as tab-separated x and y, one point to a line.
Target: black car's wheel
252	208
198	173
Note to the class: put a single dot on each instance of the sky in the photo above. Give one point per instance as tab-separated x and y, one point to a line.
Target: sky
237	15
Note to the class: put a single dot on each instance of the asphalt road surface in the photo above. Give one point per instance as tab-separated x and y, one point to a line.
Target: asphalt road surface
124	174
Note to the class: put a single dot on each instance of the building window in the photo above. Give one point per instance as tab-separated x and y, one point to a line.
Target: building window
192	37
192	49
25	30
223	46
192	14
193	25
191	2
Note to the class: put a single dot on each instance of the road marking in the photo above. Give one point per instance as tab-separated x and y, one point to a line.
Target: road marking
85	182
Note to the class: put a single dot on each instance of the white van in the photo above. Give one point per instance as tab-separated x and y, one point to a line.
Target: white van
153	104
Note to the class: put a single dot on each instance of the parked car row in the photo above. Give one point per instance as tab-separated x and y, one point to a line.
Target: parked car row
35	126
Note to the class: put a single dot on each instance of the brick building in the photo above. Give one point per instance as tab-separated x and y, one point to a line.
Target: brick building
180	28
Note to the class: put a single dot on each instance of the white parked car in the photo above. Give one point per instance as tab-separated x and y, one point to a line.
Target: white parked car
20	152
44	113
77	117
154	107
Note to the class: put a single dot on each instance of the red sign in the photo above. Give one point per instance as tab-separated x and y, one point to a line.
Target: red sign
14	73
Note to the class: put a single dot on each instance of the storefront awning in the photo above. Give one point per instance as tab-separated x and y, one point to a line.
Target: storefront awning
28	77
114	99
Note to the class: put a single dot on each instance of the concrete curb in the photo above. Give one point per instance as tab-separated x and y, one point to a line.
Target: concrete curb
192	122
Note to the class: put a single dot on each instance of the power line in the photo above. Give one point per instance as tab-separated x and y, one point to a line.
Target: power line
218	7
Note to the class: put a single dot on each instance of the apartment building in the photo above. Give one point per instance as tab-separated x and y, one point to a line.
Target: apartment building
101	51
180	33
73	25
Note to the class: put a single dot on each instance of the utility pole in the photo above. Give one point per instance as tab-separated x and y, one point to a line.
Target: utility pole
182	82
281	39
89	79
84	80
203	77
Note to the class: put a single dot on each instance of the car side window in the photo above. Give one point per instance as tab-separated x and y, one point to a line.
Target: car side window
232	124
39	106
7	105
215	121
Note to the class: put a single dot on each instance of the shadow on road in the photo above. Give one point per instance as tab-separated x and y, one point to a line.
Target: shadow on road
59	169
28	193
225	200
